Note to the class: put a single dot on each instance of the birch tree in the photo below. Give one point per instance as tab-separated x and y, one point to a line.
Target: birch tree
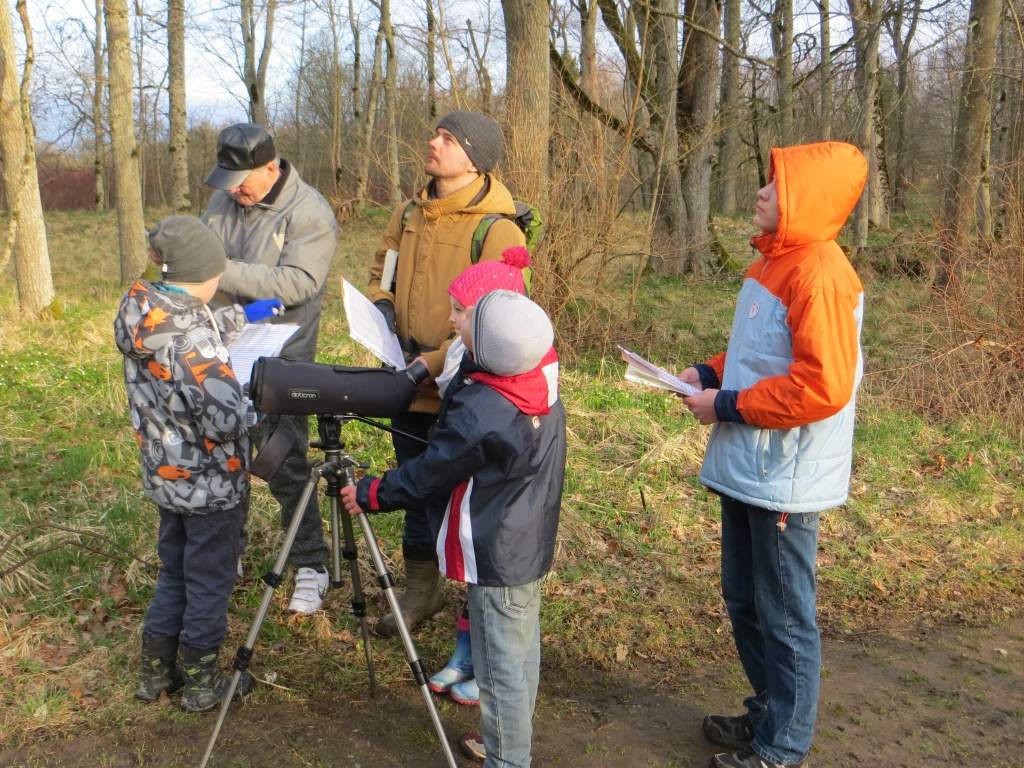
26	233
128	192
98	85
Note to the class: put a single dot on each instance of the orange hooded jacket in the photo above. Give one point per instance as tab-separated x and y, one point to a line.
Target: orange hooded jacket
818	186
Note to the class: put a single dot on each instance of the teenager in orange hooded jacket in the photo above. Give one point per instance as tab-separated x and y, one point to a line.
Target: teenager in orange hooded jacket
782	402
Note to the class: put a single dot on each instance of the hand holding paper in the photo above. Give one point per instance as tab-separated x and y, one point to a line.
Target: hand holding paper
641	371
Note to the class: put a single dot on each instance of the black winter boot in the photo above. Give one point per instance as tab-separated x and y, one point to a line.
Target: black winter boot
205	684
159	671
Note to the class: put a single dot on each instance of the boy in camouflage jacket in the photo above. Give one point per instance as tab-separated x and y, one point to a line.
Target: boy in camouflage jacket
190	418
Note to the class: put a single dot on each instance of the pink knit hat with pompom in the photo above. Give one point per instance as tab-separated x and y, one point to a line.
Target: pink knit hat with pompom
480	279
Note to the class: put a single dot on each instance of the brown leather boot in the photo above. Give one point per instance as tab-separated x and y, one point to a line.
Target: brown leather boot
421	600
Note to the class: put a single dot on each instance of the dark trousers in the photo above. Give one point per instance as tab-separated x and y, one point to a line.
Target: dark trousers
198	562
287	484
418	538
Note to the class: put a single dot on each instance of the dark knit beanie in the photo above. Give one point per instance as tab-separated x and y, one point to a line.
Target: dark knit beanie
478	135
188	250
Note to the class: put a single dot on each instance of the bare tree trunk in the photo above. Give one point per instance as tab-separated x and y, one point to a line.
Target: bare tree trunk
1008	119
901	43
391	105
483	75
128	192
669	244
866	17
961	187
729	147
698	84
985	185
782	47
142	121
369	118
357	67
99	80
178	139
254	72
27	233
335	81
527	97
299	81
878	163
825	70
431	57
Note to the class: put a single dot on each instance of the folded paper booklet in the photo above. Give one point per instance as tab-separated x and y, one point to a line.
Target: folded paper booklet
257	340
641	371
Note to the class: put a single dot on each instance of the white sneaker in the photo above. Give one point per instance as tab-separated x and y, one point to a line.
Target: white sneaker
310	588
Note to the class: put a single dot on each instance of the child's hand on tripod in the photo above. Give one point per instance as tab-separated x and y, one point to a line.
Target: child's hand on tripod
348	498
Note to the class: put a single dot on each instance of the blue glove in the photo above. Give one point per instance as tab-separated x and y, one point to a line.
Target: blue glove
261	309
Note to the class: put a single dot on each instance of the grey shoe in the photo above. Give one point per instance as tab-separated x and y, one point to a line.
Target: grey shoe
421	600
472	746
205	684
160	672
730	732
748	758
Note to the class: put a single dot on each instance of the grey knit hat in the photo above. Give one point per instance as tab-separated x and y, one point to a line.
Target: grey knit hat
511	334
479	136
188	250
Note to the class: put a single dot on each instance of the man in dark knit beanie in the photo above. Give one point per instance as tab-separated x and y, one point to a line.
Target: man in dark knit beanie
428	243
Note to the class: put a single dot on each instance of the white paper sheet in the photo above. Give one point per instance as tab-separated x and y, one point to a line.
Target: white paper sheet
641	371
367	325
257	340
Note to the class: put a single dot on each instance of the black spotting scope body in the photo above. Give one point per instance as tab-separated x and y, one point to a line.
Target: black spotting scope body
301	388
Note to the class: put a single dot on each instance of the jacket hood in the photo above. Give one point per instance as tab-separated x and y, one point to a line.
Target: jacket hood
818	186
149	319
485	195
533	392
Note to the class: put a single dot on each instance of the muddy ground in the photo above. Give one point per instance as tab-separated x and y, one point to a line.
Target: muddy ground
943	697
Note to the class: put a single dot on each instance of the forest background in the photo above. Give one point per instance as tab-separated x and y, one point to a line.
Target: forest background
641	130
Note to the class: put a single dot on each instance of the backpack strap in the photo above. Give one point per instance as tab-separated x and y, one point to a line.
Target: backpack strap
476	246
409	208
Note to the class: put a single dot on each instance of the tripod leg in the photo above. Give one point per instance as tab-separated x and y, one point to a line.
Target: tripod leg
388	585
358	599
244	653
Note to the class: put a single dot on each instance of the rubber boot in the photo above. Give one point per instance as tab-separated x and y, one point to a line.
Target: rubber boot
459	668
159	668
421	600
205	684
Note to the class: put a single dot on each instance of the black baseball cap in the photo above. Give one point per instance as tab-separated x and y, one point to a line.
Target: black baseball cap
240	149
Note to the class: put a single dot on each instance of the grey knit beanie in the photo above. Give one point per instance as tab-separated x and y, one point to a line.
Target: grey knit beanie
188	250
511	334
479	136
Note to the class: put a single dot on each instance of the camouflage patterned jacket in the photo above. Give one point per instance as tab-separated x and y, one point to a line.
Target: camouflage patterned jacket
188	410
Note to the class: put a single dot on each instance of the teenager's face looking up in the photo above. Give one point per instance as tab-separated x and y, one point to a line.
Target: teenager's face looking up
766	208
446	159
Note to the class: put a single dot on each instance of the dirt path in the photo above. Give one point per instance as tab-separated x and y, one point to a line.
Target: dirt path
947	697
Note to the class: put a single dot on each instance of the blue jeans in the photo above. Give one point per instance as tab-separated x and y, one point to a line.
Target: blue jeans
768	581
504	625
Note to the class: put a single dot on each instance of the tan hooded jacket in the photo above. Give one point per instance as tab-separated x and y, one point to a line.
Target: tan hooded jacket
434	249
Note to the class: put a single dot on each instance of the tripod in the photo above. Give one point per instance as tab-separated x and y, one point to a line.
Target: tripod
338	468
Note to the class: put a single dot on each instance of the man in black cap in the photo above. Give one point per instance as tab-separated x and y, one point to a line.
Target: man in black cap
280	236
428	243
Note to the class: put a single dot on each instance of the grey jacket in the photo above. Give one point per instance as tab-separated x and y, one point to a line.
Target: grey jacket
279	248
